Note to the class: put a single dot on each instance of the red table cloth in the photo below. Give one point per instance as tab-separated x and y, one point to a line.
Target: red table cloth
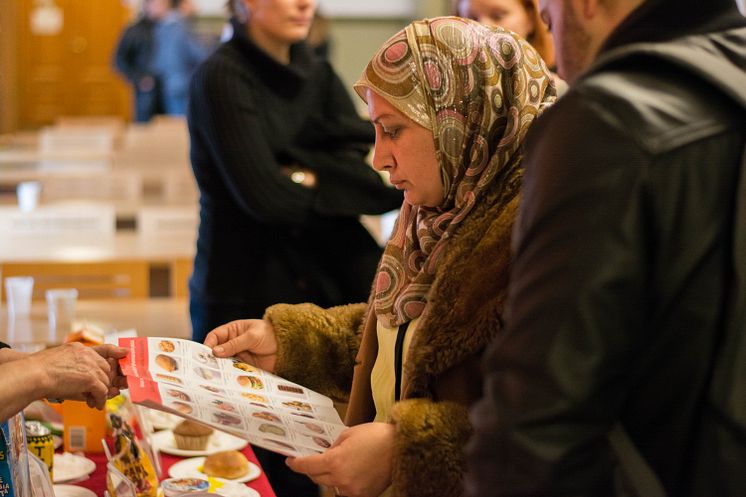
97	480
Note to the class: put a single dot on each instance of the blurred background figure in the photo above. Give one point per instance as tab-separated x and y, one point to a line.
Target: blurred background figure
519	16
318	35
133	59
177	54
278	151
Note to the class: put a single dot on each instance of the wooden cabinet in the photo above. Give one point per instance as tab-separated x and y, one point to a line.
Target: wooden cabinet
69	72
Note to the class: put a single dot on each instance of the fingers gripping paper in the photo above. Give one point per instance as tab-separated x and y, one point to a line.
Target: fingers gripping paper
184	378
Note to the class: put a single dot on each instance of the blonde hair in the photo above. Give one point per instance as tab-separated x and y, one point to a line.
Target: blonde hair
539	38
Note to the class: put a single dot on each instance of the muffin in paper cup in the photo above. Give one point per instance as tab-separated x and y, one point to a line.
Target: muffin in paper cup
189	435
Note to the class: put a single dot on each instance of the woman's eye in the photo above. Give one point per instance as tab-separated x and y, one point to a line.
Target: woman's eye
391	133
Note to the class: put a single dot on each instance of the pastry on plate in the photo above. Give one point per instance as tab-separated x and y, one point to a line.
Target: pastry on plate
189	435
228	464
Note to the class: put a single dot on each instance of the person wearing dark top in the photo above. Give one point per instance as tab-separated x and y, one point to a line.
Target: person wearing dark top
626	293
278	152
132	58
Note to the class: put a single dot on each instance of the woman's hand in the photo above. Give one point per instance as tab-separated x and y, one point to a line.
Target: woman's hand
357	465
251	340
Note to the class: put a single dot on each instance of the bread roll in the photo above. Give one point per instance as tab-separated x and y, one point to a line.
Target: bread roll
228	464
166	362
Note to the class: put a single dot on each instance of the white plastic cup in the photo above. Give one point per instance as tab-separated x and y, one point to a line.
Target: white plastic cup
20	331
28	195
18	291
61	304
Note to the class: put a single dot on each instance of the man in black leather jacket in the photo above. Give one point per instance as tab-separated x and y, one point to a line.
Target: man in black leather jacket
624	256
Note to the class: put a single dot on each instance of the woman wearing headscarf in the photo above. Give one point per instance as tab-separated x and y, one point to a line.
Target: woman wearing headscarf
451	101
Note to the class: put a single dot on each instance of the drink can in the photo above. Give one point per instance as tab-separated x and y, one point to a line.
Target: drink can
41	443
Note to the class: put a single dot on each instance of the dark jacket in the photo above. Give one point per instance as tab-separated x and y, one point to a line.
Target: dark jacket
264	239
623	260
132	58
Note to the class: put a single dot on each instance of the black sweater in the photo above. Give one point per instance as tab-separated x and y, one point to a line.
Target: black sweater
262	238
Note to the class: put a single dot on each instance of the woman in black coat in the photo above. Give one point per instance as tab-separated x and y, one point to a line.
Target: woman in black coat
278	152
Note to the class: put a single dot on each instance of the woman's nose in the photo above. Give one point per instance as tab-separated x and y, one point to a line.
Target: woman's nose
381	158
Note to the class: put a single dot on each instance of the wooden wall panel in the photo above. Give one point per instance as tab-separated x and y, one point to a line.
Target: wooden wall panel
70	73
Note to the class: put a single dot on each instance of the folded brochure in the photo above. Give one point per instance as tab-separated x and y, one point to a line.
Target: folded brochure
184	378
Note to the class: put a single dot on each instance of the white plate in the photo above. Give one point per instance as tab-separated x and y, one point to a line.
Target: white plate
72	491
164	441
69	467
191	468
232	489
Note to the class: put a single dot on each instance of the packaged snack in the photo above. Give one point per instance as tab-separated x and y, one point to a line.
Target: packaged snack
176	487
14	468
131	460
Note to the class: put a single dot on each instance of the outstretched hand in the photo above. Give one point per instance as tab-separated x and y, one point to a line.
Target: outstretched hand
112	354
75	372
358	464
251	340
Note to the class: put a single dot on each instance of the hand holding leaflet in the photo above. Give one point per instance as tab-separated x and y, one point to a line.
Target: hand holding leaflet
184	378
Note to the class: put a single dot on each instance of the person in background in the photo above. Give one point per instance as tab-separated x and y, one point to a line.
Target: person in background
71	372
519	16
450	134
279	155
133	59
227	32
318	35
623	283
177	54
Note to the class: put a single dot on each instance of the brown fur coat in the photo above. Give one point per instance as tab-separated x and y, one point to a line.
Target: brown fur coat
321	349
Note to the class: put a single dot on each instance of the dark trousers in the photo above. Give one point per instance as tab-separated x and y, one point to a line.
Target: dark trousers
284	481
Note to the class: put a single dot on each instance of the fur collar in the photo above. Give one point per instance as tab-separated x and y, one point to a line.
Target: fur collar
464	310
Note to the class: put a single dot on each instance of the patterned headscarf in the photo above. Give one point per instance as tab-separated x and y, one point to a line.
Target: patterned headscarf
477	89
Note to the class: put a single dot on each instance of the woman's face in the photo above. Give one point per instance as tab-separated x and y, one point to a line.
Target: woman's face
406	151
283	21
509	14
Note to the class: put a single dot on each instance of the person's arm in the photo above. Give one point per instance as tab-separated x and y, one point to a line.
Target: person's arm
419	453
353	187
317	347
429	440
124	56
7	354
556	379
303	343
71	371
196	51
225	124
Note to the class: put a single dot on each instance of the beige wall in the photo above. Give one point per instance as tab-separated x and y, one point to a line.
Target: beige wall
354	41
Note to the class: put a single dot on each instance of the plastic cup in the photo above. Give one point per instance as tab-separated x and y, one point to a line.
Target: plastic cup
19	331
61	305
18	291
28	195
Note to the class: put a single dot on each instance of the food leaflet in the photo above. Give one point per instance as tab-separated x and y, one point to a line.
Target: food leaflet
184	378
